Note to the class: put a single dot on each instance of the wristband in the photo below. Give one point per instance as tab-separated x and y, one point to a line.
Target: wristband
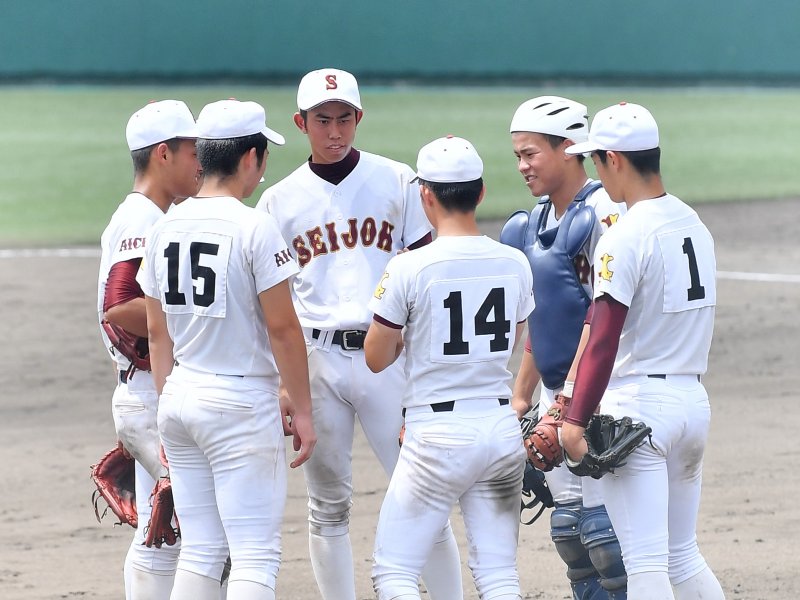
569	387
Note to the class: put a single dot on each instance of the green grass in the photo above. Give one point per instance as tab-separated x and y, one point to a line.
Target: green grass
65	165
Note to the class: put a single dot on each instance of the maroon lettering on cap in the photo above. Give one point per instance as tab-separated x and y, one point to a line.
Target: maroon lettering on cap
330	81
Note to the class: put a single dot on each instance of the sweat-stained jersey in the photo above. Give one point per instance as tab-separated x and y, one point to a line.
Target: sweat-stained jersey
342	236
460	298
206	261
659	261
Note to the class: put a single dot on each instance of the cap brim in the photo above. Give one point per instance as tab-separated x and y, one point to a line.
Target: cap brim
273	136
582	148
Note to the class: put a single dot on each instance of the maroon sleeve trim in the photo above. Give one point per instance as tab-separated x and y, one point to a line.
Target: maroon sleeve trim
121	286
382	321
597	362
423	241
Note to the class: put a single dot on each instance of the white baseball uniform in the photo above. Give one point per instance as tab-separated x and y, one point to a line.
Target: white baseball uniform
219	419
659	261
460	299
135	402
342	237
565	486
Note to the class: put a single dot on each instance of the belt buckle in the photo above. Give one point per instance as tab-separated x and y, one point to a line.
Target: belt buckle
345	344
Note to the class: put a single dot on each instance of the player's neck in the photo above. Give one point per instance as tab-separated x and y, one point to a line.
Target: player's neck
153	192
227	187
643	188
456	224
565	194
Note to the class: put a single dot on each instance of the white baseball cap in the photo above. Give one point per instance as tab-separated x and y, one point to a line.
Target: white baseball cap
449	160
158	122
624	127
328	85
552	115
227	119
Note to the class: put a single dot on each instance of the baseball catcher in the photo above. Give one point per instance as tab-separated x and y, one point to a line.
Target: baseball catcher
114	477
610	442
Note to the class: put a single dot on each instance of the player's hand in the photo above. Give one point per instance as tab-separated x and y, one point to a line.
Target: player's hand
286	409
305	438
122	449
520	405
573	442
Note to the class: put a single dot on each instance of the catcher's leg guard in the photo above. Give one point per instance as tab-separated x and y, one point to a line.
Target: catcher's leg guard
599	538
565	531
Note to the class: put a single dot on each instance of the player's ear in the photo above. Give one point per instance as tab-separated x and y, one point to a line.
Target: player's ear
481	195
161	151
300	122
359	115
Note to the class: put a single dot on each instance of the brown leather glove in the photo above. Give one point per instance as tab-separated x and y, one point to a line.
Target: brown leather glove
114	477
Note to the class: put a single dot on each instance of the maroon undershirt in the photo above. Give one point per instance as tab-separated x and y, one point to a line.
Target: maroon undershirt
607	317
121	285
336	172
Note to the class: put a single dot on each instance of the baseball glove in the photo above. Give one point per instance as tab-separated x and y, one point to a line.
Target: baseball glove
542	441
159	530
132	347
114	477
610	442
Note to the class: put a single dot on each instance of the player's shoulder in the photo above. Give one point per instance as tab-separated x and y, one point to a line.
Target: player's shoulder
302	176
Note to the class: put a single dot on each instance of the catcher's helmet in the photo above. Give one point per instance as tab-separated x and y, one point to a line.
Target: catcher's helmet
534	492
553	115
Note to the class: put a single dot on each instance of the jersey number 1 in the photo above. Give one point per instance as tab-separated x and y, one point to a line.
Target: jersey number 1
697	291
499	328
207	274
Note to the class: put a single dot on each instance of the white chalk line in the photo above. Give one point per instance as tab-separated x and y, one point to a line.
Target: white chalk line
95	253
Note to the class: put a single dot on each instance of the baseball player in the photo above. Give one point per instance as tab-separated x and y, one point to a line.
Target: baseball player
651	328
222	327
161	138
571	206
345	213
463	300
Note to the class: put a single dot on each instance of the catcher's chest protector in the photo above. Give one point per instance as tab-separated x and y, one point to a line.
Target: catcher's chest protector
561	302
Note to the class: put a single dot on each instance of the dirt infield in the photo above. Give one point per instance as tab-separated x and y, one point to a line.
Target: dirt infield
55	421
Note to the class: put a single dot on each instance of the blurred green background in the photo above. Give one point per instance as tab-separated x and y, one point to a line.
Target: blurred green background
66	166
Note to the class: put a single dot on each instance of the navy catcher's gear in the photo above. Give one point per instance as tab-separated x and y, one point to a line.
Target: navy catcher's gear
535	490
565	531
599	538
561	301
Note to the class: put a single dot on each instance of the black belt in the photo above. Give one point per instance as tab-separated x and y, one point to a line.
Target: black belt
348	339
664	376
123	377
448	406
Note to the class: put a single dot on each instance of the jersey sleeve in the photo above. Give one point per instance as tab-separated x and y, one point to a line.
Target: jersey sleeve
617	265
146	276
415	223
390	300
263	203
272	261
526	302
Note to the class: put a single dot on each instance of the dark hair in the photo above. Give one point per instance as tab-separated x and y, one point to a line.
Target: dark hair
220	158
456	197
646	162
303	115
141	157
556	140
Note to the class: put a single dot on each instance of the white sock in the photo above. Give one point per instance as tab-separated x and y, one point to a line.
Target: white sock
191	586
150	586
332	561
442	573
652	585
703	585
250	590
